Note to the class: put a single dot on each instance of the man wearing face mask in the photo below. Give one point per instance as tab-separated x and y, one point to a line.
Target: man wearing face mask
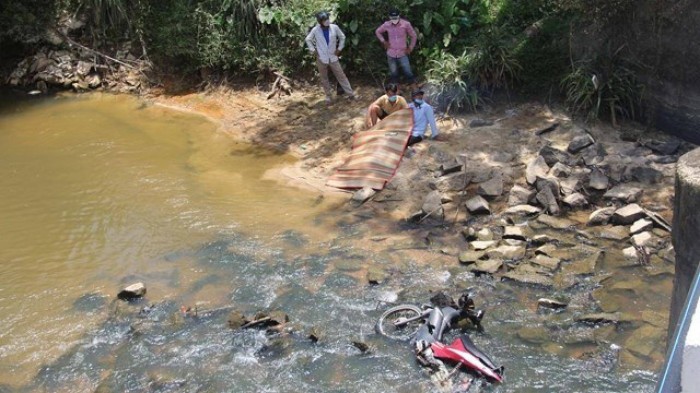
326	40
397	32
385	105
423	116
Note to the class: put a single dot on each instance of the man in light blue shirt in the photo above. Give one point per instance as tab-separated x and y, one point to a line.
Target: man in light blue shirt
422	117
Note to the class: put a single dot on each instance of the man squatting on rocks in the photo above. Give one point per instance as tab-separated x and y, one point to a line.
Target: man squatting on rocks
423	116
326	40
397	48
385	105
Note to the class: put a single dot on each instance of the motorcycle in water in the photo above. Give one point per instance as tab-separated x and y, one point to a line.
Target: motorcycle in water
426	328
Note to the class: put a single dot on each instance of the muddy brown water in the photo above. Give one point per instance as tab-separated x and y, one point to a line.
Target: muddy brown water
100	191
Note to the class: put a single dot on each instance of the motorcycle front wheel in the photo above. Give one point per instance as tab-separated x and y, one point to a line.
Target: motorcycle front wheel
399	322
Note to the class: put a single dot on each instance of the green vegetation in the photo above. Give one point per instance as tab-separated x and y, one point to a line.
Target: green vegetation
604	85
467	48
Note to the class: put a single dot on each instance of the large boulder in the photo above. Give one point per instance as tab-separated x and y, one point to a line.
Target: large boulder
624	193
536	168
525	210
478	205
628	215
560	170
547	199
579	143
519	195
514	253
641	225
552	155
598	181
433	205
133	291
493	187
575	200
554	222
601	216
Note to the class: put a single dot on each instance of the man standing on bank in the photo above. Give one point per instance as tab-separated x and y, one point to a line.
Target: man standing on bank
397	32
326	40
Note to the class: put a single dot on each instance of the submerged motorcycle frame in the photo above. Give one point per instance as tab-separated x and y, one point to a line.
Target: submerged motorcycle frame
436	321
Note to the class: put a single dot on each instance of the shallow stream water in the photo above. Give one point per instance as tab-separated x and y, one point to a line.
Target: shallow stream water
97	192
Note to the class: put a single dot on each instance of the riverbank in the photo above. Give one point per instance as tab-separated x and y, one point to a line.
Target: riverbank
523	194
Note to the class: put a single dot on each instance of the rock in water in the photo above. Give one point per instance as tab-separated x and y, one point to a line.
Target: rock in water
550	303
624	193
628	214
133	291
601	216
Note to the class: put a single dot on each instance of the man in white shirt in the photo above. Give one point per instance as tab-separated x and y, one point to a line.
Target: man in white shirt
326	40
423	116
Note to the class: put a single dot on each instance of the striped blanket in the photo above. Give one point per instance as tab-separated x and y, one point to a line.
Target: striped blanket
376	154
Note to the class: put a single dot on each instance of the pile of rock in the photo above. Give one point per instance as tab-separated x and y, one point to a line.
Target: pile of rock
81	69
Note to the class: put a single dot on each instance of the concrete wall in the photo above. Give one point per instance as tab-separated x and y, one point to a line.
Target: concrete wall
686	230
686	241
663	38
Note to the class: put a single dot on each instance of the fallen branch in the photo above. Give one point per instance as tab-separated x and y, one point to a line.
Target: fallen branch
71	42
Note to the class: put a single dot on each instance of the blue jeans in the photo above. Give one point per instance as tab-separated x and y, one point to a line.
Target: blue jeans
394	64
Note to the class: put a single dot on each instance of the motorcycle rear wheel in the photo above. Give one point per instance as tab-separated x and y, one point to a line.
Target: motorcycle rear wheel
391	324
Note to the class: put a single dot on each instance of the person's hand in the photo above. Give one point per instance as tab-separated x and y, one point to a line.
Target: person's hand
409	50
385	44
337	52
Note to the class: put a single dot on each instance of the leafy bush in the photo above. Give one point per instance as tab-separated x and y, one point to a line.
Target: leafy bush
26	21
494	64
449	88
606	85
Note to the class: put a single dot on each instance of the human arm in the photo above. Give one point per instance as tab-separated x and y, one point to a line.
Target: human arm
341	39
310	41
380	35
414	37
430	116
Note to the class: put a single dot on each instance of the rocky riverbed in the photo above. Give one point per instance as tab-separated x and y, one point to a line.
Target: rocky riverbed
524	195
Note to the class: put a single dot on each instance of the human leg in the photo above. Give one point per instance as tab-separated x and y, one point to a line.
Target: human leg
405	64
374	115
414	139
340	76
323	74
393	69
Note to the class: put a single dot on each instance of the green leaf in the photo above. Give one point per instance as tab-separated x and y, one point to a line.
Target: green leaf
446	39
439	19
455	29
427	20
265	15
353	25
355	40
